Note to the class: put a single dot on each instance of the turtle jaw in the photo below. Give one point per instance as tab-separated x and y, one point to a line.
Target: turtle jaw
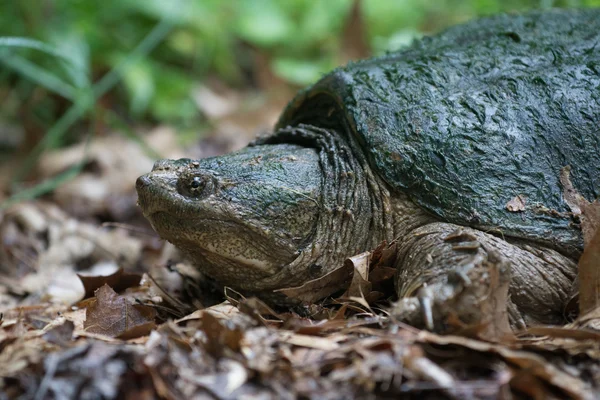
223	249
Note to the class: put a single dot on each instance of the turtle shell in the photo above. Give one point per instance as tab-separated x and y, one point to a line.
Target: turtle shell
470	119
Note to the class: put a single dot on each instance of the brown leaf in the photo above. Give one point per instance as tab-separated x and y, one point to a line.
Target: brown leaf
17	355
589	264
497	327
529	363
220	336
590	320
309	341
385	254
77	317
259	311
588	213
322	287
224	310
589	276
112	315
527	383
93	370
360	285
60	334
516	204
118	281
383	269
231	376
380	274
372	267
564	332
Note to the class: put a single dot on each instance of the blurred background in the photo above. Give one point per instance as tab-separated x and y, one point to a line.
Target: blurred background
168	75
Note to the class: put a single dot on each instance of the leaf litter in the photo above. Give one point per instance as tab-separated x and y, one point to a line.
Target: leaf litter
126	341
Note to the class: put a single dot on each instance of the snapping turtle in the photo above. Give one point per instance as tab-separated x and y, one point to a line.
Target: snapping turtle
459	138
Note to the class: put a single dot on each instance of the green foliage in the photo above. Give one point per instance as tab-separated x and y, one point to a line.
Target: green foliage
82	103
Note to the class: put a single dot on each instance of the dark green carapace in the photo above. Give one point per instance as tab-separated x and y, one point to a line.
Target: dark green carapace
467	120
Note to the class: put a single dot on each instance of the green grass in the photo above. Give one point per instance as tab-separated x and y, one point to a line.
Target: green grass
83	102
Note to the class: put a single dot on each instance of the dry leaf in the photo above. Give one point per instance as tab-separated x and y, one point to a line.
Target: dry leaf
360	285
224	310
529	362
77	317
60	334
588	213
497	327
380	274
589	264
112	315
516	204
313	342
383	267
94	370
321	287
589	275
564	332
357	276
590	320
118	281
219	336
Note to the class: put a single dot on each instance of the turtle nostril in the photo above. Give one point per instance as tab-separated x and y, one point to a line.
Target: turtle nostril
162	165
142	182
167	165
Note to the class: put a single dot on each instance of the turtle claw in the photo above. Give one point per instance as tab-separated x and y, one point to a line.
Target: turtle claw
460	275
429	308
426	299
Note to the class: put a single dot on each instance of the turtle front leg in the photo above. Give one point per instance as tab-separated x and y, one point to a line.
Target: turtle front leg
443	269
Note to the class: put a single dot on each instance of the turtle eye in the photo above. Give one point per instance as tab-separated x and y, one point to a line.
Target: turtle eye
196	186
196	183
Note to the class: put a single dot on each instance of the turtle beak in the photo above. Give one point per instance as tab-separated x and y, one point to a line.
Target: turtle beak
142	183
143	186
152	188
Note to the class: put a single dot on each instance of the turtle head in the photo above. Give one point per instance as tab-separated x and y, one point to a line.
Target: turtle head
241	217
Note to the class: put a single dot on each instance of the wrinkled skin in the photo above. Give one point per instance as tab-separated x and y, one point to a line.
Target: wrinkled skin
427	145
